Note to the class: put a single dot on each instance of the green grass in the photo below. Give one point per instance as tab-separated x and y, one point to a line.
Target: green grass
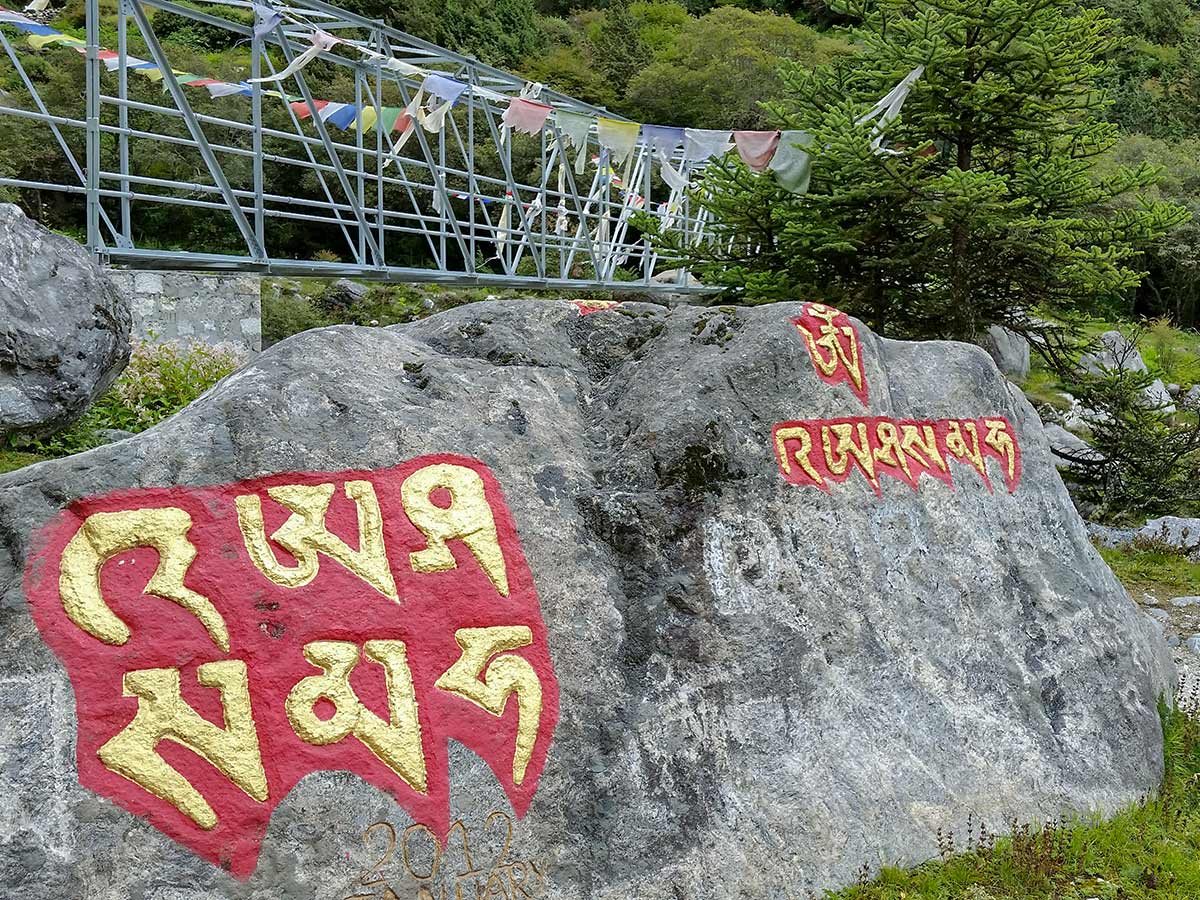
1154	570
1043	389
1171	353
11	460
1150	851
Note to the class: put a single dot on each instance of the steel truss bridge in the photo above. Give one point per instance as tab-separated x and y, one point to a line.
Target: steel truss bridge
470	203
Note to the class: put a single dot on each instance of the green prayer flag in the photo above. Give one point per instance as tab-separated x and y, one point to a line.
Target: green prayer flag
791	164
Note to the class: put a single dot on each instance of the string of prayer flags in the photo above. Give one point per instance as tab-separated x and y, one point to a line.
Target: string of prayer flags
322	42
526	116
784	154
342	115
791	164
756	148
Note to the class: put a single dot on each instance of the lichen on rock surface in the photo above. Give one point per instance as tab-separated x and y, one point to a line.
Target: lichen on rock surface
765	677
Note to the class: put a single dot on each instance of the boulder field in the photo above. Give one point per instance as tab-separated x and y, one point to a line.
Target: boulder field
559	599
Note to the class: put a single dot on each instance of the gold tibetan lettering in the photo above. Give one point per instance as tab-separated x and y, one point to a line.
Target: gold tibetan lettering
104	535
506	675
919	441
999	439
304	535
396	742
163	715
797	433
468	518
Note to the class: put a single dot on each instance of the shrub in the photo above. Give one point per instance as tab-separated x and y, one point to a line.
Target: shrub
285	314
1169	356
162	378
1148	463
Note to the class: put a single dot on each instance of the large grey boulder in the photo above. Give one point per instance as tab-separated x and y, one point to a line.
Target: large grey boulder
1009	350
762	685
64	328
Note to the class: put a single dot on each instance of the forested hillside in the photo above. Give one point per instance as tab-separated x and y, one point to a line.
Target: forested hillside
693	64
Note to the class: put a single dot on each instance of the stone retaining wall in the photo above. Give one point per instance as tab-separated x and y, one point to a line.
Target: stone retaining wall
187	306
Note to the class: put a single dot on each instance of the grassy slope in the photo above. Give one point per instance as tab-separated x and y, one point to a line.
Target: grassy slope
1149	571
1150	851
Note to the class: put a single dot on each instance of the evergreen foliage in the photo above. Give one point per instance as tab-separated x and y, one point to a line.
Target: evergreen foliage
988	206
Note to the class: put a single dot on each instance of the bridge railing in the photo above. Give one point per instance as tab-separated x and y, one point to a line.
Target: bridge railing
273	175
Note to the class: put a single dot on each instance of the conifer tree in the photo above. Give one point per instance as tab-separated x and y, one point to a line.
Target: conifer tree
986	205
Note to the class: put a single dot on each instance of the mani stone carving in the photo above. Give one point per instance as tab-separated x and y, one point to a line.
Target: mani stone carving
556	599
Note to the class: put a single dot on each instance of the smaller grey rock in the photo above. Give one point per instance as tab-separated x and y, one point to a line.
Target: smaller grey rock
1175	532
1158	397
64	328
341	294
353	288
1193	644
1008	349
1173	389
1172	640
1192	397
1159	615
1185	601
1116	354
1070	447
1081	418
1108	536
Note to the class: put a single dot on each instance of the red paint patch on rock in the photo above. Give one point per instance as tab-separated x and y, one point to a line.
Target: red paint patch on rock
336	605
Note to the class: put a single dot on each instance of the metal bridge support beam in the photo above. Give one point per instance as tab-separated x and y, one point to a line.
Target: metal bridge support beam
257	252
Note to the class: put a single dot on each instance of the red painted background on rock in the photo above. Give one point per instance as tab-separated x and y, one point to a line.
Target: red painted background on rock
834	347
268	626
